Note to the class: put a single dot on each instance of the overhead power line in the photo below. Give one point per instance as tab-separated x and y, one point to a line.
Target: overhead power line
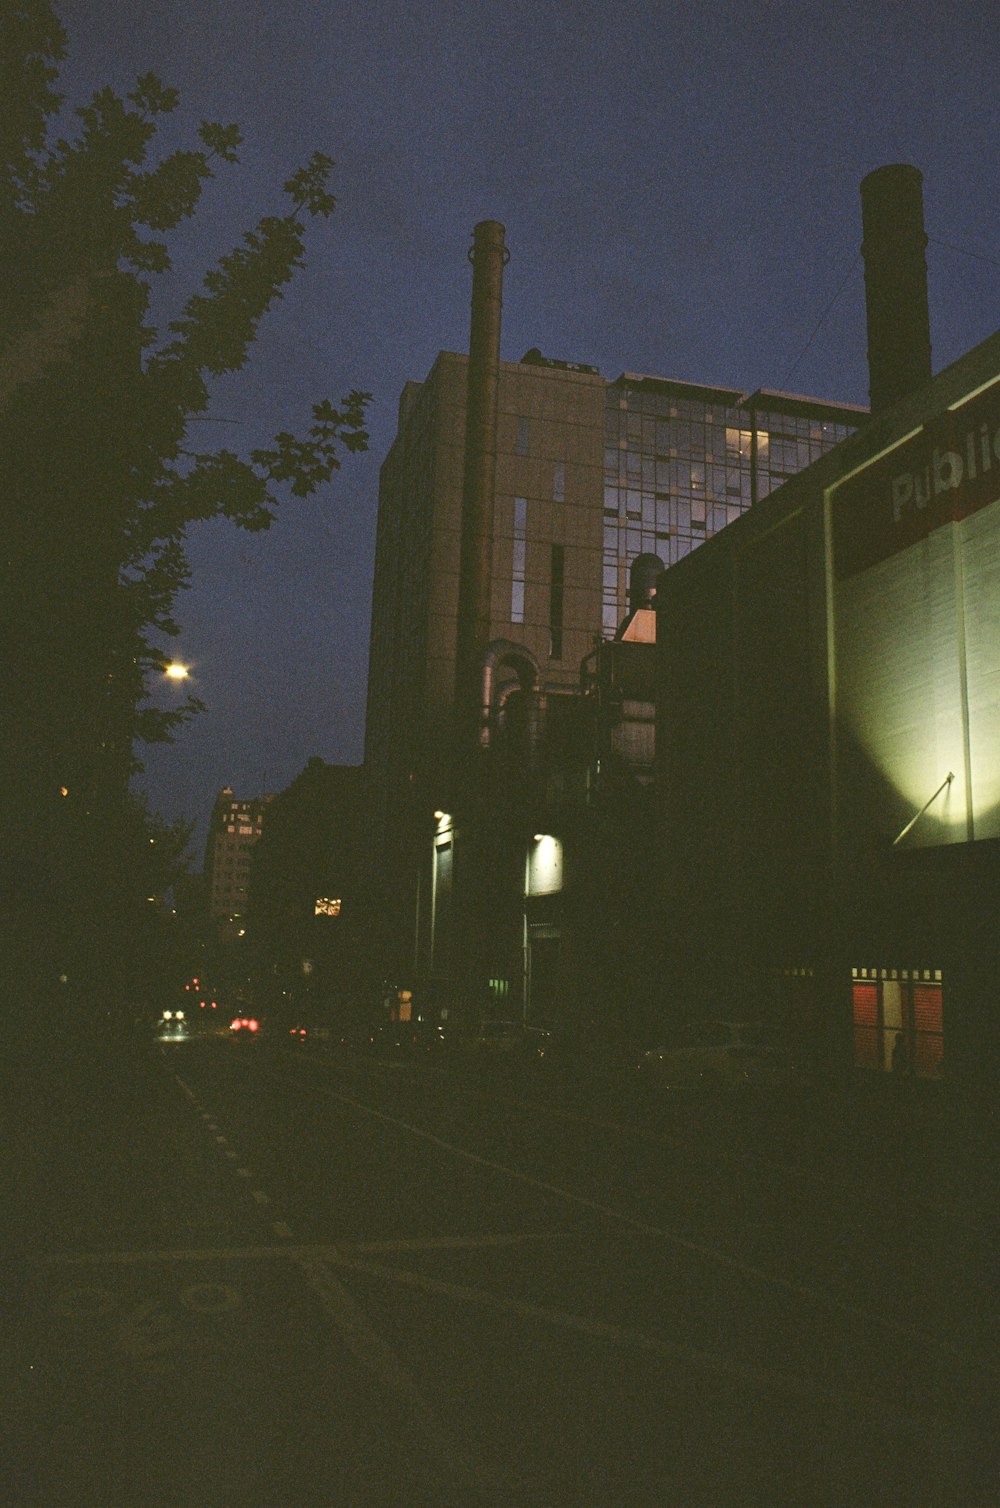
979	255
820	322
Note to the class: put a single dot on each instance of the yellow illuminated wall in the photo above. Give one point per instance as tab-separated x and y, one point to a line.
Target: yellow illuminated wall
915	670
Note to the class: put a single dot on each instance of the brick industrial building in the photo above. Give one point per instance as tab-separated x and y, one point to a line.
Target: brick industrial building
503	557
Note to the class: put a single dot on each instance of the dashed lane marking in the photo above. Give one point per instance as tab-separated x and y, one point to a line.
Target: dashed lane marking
210	1125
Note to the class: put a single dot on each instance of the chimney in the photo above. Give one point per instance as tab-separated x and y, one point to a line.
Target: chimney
488	256
899	341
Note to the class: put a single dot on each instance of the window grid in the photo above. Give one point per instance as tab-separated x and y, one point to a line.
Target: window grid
676	471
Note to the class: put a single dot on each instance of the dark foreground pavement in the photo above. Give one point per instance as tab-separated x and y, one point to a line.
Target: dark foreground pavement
244	1279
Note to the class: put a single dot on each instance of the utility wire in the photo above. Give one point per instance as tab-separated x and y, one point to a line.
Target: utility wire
820	323
933	240
979	256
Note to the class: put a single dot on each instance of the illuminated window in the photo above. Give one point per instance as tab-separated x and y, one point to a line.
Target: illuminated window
518	558
898	1022
325	906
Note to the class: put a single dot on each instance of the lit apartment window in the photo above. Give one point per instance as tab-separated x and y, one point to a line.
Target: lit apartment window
517	569
327	906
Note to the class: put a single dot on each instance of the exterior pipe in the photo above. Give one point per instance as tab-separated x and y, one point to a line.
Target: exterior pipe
505	651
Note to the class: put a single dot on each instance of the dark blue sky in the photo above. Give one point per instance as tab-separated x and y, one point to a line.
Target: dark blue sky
679	184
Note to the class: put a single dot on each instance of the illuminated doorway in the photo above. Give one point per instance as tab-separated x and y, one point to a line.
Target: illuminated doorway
898	1020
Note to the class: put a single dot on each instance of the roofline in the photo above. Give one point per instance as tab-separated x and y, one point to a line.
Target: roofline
796	403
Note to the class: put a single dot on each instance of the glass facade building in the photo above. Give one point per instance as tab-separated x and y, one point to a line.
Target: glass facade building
682	461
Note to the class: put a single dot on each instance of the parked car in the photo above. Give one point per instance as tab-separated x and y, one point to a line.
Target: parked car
406	1039
305	1031
509	1041
721	1052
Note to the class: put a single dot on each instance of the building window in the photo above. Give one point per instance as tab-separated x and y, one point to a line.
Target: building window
556	602
327	906
521	439
518	558
559	482
898	1021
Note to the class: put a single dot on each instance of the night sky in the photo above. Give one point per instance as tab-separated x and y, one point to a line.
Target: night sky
680	188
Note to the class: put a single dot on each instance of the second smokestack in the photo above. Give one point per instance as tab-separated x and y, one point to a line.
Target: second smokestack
899	339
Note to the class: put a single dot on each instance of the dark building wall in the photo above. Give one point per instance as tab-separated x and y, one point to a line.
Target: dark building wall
824	664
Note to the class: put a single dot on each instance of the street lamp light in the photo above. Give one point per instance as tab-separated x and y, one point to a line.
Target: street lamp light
175	671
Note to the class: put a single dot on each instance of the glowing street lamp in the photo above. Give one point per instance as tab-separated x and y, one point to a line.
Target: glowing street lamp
175	671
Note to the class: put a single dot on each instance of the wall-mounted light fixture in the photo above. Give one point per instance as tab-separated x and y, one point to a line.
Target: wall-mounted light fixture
914	820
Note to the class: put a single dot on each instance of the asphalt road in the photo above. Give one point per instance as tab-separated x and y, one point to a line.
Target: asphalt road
259	1277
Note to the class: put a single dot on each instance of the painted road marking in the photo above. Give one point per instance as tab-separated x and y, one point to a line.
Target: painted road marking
377	1357
85	1303
210	1298
713	1254
458	1243
148	1331
762	1378
210	1125
322	1251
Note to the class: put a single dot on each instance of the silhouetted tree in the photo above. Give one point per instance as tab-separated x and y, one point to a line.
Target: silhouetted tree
98	479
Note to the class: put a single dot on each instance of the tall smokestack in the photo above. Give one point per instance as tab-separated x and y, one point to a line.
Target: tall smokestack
899	339
488	256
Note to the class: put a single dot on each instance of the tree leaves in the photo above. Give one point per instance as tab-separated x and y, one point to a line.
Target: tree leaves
95	410
221	141
152	98
308	189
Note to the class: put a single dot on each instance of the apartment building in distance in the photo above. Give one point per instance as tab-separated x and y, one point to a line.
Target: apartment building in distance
235	826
